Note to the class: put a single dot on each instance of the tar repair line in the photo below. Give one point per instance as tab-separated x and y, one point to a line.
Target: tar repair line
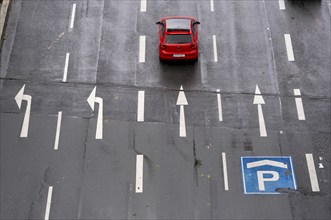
58	128
73	12
312	173
141	106
215	48
299	105
143	5
139	173
49	201
211	5
65	71
219	104
289	48
225	172
142	49
281	4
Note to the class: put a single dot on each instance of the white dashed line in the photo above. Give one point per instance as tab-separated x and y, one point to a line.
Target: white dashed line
219	104
211	5
58	128
289	48
73	12
142	49
139	173
65	71
225	172
281	4
299	105
312	173
49	201
143	5
141	106
215	48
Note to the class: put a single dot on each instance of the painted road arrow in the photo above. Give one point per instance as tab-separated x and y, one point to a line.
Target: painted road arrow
91	100
258	100
181	101
18	98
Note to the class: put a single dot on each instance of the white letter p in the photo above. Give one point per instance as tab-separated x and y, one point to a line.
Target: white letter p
261	179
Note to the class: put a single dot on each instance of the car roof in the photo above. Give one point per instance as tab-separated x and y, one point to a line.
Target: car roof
178	24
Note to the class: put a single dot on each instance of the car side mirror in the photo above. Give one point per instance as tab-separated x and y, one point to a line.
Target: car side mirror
158	22
196	22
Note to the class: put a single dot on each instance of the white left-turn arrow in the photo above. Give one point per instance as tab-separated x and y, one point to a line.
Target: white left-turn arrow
18	98
91	100
181	101
259	101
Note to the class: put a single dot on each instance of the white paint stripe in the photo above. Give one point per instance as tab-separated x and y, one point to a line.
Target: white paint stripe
289	48
66	64
312	173
139	173
58	128
263	131
299	105
281	4
99	129
26	120
211	5
141	106
215	48
142	48
219	104
143	5
73	12
225	172
49	201
182	126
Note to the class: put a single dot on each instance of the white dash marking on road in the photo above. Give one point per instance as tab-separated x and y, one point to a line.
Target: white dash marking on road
312	173
143	5
263	130
211	5
299	105
58	129
141	106
142	49
66	64
289	48
73	12
49	201
215	48
219	104
139	173
225	172
281	4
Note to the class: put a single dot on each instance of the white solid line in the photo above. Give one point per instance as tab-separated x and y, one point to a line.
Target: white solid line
139	173
312	173
263	131
289	48
211	5
219	104
299	105
49	201
73	12
26	120
143	5
142	48
281	4
66	64
58	128
141	106
215	48
182	126
225	172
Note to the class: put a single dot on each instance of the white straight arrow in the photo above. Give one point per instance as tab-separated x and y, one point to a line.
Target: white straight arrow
258	100
18	98
181	101
91	100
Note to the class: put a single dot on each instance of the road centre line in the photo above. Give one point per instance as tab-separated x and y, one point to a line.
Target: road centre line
281	4
143	5
215	48
312	173
139	173
58	128
141	106
66	64
211	5
49	201
73	12
219	104
289	49
142	49
225	172
299	105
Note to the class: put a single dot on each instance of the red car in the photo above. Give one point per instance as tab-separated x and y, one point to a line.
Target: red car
178	38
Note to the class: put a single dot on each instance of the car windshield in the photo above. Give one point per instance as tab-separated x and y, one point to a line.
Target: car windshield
178	38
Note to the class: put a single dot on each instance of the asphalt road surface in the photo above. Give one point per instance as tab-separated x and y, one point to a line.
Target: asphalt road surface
93	126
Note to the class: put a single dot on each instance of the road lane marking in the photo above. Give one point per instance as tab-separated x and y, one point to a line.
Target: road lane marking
66	64
181	101
92	99
73	12
139	173
219	104
289	48
143	5
58	128
225	172
211	5
215	48
299	105
312	173
259	101
49	201
141	105
19	98
142	49
281	4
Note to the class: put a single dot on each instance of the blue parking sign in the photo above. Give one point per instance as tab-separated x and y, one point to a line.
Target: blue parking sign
266	175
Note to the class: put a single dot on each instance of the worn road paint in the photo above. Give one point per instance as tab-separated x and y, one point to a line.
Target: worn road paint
49	201
141	106
289	49
143	5
299	105
139	173
58	129
142	49
19	98
281	4
73	12
225	172
66	64
312	173
215	48
219	104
